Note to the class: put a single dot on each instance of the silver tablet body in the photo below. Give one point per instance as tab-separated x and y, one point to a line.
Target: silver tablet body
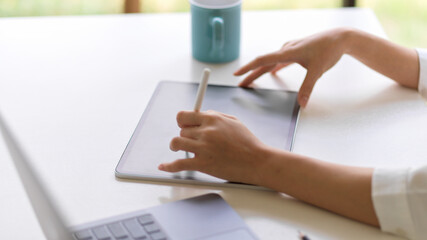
271	115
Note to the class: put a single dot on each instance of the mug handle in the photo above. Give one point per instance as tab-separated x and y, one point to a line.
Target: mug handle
217	34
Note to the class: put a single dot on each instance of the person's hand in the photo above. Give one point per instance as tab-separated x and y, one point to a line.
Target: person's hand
316	53
222	145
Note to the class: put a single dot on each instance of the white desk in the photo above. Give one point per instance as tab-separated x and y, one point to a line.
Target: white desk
74	88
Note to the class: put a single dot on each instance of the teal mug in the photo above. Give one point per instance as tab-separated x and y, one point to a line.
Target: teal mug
215	28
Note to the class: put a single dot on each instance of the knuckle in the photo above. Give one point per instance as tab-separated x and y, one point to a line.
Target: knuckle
289	43
290	50
209	131
180	117
230	116
182	132
284	45
210	118
174	144
259	60
213	118
209	134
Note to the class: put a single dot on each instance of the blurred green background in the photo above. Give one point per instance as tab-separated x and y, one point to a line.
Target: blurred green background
404	20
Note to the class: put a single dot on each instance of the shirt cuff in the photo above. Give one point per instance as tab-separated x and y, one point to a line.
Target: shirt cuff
389	195
422	84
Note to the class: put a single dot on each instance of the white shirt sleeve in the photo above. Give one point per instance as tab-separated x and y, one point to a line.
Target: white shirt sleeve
400	195
400	201
422	85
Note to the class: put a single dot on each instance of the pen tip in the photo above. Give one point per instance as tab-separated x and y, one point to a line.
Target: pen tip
302	236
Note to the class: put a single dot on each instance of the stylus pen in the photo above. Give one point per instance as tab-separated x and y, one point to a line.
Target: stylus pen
198	104
202	89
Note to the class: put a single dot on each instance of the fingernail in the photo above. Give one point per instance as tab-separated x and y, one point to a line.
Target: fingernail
161	167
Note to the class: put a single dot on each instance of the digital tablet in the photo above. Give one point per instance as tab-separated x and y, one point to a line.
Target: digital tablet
271	115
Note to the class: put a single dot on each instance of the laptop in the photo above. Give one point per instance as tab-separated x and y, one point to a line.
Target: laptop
205	217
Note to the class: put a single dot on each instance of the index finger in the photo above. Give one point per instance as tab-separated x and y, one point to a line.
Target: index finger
255	74
189	118
268	59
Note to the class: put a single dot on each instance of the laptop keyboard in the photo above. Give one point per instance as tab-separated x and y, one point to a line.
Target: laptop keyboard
142	227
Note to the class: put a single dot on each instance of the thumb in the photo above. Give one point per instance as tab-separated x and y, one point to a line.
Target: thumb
307	86
179	165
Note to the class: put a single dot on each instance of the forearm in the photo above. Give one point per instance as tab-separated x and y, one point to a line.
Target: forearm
337	188
394	61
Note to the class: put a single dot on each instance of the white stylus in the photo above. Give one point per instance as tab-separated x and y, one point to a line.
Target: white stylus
202	89
197	105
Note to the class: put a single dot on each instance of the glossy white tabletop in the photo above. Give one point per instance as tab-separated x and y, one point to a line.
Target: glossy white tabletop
74	88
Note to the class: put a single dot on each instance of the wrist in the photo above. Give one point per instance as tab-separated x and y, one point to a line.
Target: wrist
271	167
348	38
264	158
